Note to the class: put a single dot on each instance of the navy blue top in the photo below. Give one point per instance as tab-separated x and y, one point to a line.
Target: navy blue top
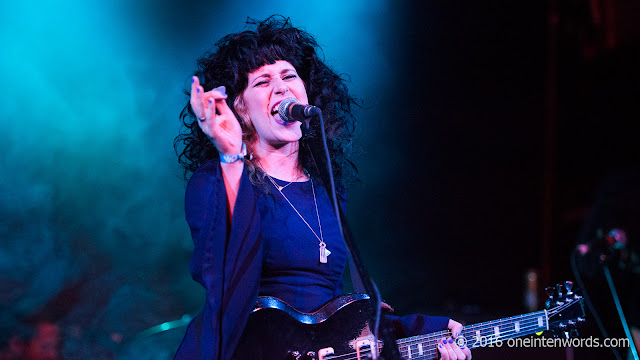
266	249
291	268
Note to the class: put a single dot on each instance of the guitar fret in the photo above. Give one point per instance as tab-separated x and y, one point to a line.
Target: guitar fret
477	335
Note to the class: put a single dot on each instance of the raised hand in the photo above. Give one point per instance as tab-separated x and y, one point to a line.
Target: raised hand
215	118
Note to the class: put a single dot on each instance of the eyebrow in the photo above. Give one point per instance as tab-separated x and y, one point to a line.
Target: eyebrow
268	75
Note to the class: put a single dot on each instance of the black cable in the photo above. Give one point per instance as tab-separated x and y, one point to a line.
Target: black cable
389	344
576	273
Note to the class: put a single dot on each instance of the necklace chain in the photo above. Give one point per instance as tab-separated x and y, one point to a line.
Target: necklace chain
324	252
278	186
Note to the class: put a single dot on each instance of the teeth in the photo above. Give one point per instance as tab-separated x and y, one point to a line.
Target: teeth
274	110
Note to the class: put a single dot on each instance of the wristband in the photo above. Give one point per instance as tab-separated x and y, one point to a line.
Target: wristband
235	157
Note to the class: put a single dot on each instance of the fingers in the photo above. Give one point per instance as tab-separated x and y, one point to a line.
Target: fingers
461	352
219	95
449	350
444	353
386	307
200	100
466	352
209	112
456	349
446	346
455	327
196	100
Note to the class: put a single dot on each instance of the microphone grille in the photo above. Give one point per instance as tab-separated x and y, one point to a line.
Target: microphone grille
284	106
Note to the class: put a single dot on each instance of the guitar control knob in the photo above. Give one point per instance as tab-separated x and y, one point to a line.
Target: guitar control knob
294	355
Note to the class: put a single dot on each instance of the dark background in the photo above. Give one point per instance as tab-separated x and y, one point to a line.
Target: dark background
485	131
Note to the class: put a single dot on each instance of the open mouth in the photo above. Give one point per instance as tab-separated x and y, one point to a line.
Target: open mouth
274	109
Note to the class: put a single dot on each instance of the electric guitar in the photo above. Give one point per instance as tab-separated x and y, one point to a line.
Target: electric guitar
339	329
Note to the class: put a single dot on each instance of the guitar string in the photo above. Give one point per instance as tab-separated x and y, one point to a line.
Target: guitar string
432	349
485	326
431	341
523	331
431	352
503	336
491	324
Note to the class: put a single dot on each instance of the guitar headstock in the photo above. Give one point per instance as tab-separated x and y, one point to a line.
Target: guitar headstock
565	310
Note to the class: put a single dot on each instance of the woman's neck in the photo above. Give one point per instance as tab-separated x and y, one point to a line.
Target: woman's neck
280	162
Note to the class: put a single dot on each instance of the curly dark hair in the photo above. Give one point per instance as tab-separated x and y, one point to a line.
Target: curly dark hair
234	57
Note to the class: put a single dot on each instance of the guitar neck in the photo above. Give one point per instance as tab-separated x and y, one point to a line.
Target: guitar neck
476	335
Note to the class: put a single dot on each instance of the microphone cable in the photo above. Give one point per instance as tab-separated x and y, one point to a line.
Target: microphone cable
368	283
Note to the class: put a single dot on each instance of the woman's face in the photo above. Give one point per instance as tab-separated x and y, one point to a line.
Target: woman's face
266	87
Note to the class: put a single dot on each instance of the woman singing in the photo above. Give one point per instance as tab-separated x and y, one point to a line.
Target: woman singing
257	201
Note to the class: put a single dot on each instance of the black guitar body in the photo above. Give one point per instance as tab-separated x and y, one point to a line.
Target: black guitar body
275	331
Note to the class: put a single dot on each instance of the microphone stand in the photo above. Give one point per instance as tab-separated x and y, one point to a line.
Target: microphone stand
390	347
623	320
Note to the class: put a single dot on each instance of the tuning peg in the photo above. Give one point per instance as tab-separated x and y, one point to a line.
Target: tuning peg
294	355
570	294
568	285
560	290
551	291
581	319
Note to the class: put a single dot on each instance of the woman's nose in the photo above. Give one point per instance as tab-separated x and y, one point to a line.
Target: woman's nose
280	87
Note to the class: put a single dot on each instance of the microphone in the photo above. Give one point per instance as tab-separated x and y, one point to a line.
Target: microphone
291	110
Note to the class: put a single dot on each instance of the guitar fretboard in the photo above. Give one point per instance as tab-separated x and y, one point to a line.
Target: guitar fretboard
488	333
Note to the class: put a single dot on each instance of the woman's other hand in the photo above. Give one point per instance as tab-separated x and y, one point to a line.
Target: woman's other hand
449	348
